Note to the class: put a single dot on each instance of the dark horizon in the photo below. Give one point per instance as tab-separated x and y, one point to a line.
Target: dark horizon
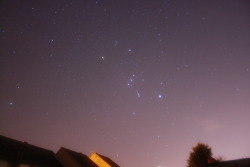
139	81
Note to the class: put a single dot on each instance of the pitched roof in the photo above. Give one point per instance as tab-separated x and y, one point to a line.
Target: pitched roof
22	152
79	159
106	159
232	163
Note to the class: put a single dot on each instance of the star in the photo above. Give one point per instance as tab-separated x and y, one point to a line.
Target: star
17	86
138	94
159	96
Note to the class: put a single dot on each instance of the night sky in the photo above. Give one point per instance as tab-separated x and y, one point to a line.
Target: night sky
139	81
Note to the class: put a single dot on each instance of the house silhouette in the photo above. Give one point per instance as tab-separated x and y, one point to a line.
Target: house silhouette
71	158
14	153
231	163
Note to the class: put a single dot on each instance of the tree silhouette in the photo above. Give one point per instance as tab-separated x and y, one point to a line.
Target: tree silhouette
199	155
